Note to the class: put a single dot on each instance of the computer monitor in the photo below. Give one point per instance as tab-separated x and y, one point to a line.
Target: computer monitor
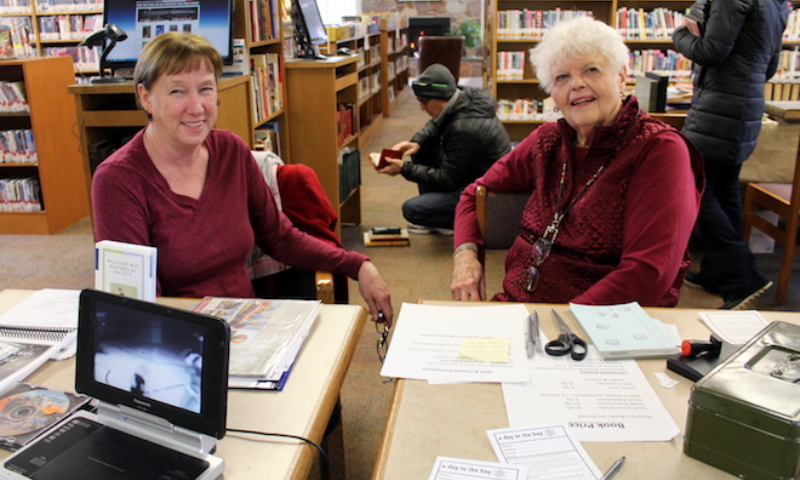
143	20
310	30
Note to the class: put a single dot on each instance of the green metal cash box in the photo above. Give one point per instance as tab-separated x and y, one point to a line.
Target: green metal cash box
744	415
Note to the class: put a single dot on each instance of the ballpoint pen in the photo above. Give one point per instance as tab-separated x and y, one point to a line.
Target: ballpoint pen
532	339
611	471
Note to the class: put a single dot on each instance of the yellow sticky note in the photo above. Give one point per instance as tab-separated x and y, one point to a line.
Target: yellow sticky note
485	349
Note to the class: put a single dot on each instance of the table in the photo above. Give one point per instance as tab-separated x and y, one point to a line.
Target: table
426	421
302	408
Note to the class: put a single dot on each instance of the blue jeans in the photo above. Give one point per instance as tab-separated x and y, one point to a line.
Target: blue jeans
431	208
729	266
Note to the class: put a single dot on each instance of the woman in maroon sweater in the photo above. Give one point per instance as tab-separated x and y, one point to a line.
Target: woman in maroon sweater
614	192
196	193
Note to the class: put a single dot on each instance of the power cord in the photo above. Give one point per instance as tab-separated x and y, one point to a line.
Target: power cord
294	437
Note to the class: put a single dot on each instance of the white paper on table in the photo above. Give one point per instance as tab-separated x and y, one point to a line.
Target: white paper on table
46	308
448	468
734	327
601	401
550	451
427	340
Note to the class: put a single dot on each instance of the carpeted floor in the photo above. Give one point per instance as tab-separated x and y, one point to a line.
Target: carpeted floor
423	270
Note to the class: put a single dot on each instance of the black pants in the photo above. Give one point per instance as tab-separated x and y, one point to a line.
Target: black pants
729	266
431	208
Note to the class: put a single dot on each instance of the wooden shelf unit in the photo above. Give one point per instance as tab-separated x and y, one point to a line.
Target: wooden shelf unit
38	41
368	53
243	28
394	62
528	87
59	168
316	87
110	111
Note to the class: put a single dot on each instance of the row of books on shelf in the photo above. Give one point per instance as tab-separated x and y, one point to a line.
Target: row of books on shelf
264	20
526	110
267	137
18	146
511	65
782	90
16	37
525	23
68	5
656	24
349	172
84	58
788	65
20	194
69	27
792	32
13	98
633	23
44	6
345	122
641	61
369	84
266	71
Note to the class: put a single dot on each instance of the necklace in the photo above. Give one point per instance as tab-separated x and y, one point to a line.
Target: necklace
542	246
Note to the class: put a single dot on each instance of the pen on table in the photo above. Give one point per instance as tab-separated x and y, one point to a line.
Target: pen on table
611	471
533	333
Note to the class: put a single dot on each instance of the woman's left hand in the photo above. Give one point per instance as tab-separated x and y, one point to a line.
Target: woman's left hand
375	293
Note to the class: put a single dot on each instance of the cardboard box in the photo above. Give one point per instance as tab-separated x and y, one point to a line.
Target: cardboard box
744	416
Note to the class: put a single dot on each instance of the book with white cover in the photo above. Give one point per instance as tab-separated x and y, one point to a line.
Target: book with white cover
625	331
126	269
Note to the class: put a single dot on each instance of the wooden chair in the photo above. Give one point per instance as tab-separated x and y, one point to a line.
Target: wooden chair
446	50
784	200
498	216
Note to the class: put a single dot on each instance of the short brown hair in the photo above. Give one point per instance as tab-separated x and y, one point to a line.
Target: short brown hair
171	53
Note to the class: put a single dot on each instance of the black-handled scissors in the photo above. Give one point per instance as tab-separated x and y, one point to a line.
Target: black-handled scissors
567	342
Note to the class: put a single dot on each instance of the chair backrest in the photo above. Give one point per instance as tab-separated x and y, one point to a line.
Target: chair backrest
498	216
446	50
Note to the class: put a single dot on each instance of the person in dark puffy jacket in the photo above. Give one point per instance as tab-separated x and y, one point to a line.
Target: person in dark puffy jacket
461	141
735	51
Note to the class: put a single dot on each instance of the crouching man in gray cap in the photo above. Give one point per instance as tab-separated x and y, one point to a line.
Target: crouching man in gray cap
461	141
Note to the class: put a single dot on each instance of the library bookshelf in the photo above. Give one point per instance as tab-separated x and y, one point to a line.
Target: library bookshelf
59	167
45	28
525	85
323	96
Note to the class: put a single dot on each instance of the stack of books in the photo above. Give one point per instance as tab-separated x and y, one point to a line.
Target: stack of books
386	237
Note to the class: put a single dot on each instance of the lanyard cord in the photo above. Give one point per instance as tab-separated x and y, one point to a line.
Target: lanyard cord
551	232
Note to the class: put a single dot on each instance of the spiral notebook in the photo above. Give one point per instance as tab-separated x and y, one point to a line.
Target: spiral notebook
41	327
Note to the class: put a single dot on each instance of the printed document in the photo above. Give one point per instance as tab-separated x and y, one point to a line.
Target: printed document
447	468
550	451
736	328
428	342
601	401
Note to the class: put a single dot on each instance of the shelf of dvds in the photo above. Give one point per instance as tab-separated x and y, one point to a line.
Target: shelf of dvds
54	166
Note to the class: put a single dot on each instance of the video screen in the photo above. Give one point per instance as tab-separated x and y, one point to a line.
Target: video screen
144	20
149	355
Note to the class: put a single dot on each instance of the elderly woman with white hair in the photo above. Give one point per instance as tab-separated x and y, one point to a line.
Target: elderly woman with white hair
614	192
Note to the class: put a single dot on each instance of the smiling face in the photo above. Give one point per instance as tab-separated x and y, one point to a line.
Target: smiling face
183	107
588	93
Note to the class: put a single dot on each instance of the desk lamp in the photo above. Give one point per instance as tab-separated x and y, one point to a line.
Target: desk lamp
114	34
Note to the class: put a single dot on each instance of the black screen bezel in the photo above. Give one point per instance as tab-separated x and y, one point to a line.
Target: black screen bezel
114	5
214	384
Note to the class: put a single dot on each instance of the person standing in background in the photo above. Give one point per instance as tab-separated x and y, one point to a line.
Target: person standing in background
735	50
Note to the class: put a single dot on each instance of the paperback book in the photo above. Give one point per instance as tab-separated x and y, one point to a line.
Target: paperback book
379	159
626	331
126	269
